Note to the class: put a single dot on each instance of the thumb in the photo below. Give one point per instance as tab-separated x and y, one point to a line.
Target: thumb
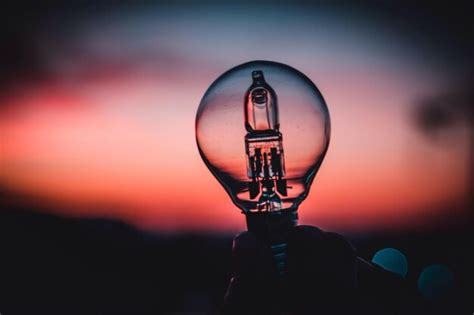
251	257
252	277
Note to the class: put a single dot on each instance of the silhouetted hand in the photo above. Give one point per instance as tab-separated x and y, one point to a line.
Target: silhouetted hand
321	277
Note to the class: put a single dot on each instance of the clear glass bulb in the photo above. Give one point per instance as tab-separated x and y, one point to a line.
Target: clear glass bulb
263	129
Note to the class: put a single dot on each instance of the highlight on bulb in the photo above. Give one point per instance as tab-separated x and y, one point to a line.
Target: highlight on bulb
263	129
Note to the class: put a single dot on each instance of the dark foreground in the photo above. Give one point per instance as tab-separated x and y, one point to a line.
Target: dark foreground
53	265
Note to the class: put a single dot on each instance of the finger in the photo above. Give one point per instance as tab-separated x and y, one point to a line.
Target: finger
325	264
317	253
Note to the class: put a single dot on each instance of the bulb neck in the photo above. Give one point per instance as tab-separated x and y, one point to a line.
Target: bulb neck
272	226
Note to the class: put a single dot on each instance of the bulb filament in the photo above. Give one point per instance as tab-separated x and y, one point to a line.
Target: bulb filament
264	145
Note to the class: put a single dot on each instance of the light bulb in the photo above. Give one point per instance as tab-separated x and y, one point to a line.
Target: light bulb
263	129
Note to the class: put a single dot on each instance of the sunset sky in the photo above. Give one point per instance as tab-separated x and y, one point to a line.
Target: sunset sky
107	128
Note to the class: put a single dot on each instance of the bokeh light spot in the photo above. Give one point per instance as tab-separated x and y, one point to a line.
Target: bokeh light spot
391	259
435	281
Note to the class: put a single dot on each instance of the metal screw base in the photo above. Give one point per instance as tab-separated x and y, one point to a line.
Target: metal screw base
273	228
280	255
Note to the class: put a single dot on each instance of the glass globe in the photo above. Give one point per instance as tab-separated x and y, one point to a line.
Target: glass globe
263	129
